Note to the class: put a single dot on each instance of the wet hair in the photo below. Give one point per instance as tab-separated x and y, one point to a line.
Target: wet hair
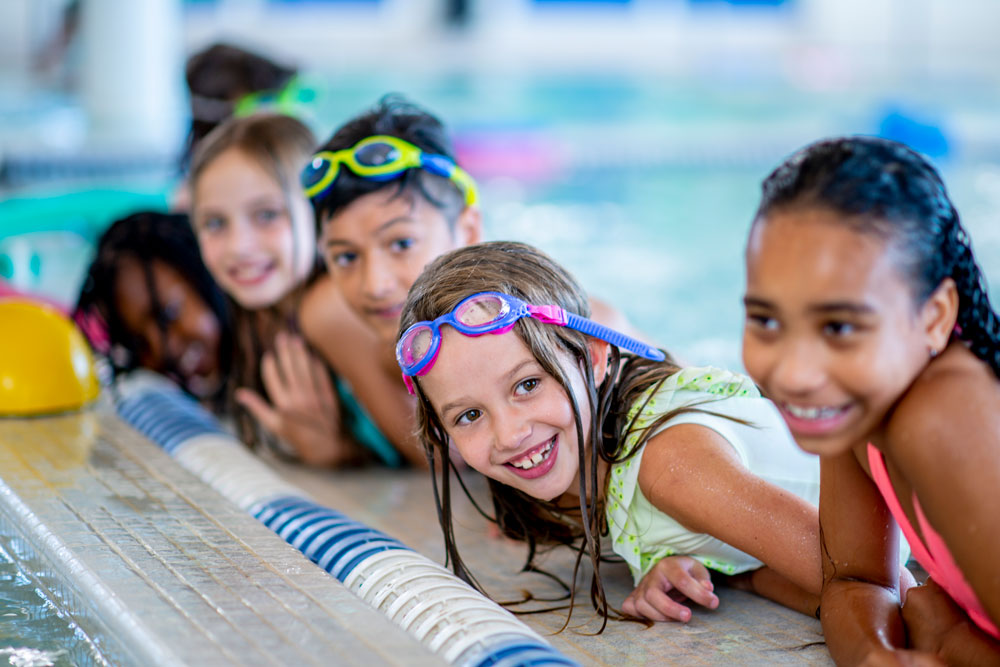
395	116
883	188
146	237
281	145
218	77
528	274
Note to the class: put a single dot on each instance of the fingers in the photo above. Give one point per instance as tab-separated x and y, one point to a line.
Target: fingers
692	579
260	409
654	604
302	378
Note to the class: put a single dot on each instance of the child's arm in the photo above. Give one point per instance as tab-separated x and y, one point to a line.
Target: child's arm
860	601
943	440
693	474
356	355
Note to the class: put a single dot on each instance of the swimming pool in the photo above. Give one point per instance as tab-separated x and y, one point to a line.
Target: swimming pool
645	187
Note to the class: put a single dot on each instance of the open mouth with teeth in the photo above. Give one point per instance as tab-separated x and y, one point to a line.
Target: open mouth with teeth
249	275
813	419
536	461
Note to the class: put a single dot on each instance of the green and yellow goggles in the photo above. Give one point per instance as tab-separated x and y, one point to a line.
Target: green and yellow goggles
291	100
382	158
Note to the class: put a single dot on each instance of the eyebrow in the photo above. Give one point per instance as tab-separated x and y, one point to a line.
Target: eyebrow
381	228
821	308
506	376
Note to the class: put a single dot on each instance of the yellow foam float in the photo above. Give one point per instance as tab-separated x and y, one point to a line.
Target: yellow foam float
45	363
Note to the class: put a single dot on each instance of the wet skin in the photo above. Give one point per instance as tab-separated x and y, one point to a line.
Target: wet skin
514	412
182	336
835	336
377	245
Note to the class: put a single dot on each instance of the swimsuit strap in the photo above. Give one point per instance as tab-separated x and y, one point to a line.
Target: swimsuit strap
880	475
934	554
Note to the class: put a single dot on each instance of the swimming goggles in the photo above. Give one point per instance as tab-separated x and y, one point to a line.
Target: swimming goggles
382	158
290	100
496	313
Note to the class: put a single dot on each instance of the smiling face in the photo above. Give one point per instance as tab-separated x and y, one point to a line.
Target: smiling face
257	243
376	246
507	417
833	334
175	333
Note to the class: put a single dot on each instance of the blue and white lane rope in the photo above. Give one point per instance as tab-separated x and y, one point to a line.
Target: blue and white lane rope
432	604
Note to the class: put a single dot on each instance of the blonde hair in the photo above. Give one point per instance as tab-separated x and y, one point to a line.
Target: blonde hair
282	146
528	274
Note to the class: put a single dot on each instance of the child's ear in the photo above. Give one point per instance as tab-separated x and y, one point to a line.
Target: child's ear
939	314
469	226
598	359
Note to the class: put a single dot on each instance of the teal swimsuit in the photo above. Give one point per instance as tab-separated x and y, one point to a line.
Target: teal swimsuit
364	431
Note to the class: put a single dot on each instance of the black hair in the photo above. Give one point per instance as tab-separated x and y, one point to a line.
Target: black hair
395	116
147	236
218	76
882	187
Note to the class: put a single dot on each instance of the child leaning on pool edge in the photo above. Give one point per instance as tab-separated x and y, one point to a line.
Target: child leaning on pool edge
378	227
692	467
255	232
869	324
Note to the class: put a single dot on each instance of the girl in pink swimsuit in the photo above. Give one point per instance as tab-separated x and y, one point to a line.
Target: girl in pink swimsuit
869	325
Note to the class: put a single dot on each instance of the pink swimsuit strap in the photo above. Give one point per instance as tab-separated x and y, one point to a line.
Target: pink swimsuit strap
935	557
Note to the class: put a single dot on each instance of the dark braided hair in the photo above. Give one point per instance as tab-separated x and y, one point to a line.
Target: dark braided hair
395	116
146	236
882	187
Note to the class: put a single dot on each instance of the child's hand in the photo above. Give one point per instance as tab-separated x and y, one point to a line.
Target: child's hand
305	412
672	579
936	624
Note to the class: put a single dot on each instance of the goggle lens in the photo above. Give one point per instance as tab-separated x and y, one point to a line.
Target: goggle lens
314	172
376	154
481	311
416	345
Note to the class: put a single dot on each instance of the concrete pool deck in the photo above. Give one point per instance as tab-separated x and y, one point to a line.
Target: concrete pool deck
745	630
160	570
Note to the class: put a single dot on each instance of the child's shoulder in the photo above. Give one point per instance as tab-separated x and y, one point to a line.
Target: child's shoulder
956	393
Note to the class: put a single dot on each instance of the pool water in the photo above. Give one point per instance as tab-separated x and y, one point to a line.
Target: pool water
34	631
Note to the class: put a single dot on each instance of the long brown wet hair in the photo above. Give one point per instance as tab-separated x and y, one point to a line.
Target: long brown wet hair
528	274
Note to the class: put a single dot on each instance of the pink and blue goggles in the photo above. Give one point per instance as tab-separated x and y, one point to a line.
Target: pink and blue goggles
496	313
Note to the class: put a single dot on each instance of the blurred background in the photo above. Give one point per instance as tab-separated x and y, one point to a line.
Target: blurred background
627	138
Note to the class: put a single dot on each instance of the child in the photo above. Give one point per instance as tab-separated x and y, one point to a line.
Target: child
668	462
254	228
389	198
869	325
148	301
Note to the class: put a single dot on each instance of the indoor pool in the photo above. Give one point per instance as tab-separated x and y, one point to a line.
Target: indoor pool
644	188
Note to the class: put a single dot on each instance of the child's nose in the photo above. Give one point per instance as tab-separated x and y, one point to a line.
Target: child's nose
511	430
799	368
378	278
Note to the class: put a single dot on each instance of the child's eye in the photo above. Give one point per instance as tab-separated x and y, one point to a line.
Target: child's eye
401	245
526	386
468	416
170	312
266	215
211	224
839	329
344	259
762	322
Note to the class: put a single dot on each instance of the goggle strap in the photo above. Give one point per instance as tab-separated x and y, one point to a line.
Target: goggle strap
616	338
410	388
